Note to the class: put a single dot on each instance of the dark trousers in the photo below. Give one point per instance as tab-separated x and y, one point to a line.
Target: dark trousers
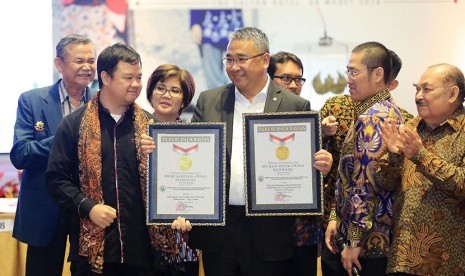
331	265
81	267
192	268
237	255
48	260
304	262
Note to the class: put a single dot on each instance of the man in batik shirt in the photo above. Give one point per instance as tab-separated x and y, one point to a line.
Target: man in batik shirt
362	209
341	109
426	169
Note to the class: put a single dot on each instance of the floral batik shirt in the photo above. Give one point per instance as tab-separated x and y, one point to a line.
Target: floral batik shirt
429	206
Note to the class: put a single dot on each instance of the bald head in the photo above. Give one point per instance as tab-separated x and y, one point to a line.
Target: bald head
452	76
439	93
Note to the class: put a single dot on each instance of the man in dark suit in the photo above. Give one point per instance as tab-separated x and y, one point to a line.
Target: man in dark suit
246	245
39	222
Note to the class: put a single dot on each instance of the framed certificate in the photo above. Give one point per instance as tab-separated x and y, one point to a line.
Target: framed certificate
279	149
187	173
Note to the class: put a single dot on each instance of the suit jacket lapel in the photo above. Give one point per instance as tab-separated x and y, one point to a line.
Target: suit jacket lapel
51	107
227	114
273	98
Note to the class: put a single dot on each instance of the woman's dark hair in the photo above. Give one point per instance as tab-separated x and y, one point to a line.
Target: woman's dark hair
166	71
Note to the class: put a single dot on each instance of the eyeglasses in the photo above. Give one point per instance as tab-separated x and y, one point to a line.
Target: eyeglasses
299	81
174	91
354	73
229	61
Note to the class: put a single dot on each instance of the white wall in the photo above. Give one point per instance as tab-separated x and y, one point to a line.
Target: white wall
421	32
26	56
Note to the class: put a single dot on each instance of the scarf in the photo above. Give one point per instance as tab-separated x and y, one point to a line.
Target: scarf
92	237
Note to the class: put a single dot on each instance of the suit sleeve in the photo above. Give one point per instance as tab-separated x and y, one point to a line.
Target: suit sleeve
28	152
307	106
62	176
197	116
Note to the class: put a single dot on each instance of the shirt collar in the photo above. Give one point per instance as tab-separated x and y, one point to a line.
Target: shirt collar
456	120
361	107
64	94
260	97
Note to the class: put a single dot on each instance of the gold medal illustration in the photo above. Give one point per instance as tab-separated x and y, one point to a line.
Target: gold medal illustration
185	163
282	152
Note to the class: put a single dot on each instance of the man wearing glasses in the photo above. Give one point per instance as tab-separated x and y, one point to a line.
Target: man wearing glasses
246	245
286	70
363	211
341	107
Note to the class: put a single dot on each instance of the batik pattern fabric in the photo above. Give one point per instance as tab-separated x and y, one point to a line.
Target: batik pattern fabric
96	19
308	231
181	252
341	107
429	208
363	210
91	236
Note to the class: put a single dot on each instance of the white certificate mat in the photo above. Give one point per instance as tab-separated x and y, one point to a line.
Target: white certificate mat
280	177
186	173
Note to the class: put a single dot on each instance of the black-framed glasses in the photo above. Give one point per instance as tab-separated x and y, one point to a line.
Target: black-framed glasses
350	73
299	81
173	91
240	60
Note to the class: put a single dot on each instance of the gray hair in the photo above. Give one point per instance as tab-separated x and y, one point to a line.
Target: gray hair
259	38
453	76
70	40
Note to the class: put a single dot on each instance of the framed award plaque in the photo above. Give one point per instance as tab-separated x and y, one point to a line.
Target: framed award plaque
187	173
279	149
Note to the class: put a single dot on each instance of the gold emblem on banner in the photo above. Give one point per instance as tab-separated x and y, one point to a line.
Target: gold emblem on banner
282	152
185	163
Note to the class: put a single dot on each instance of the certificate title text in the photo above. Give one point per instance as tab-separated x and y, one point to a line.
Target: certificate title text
281	128
195	139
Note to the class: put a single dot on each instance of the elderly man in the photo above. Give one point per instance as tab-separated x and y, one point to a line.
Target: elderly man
426	169
39	222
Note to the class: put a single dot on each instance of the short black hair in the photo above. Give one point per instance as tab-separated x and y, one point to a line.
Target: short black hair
283	57
396	65
110	57
375	55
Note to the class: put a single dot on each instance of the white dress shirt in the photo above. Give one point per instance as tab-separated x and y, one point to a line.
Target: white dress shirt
242	105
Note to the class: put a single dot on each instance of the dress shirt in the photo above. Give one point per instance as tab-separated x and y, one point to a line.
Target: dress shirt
242	105
66	106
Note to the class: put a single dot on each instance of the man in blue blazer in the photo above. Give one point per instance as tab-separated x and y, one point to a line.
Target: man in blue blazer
246	245
39	222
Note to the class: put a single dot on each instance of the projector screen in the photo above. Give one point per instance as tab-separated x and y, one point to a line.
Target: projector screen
26	53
